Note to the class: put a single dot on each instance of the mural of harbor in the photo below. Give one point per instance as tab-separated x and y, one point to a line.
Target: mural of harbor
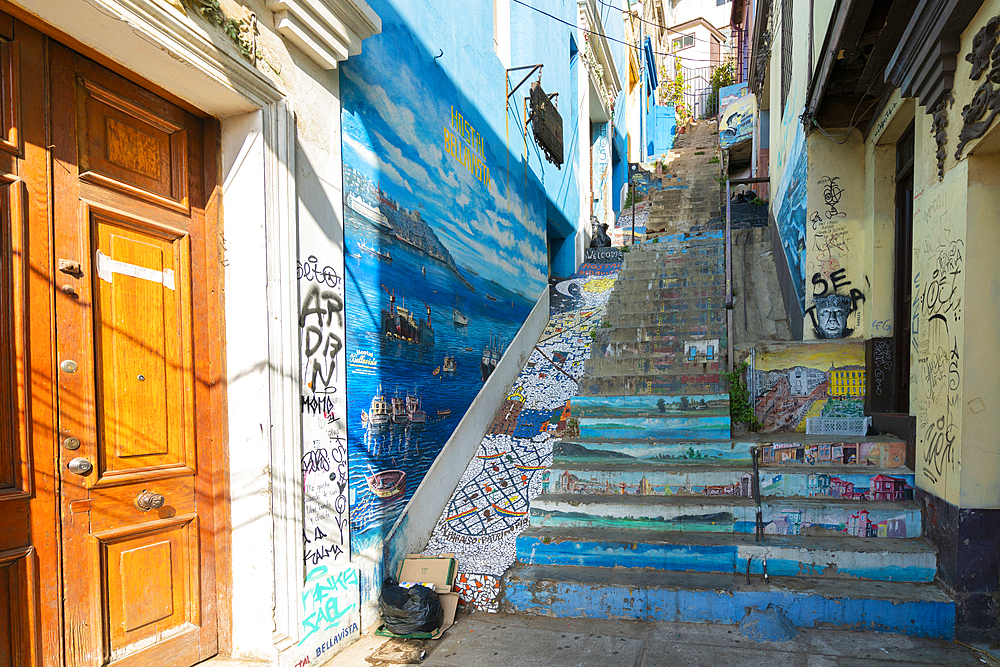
443	264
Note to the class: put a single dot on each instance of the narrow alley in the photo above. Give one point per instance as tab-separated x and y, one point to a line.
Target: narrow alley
514	332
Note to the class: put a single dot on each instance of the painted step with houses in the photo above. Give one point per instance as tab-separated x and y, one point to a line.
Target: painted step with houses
833	517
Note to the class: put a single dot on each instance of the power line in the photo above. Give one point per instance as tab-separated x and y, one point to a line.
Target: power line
609	38
655	24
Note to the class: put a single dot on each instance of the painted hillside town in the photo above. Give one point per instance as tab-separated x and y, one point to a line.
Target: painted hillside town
566	332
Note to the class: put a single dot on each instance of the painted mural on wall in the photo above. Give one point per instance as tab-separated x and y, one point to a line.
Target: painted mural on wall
729	94
790	217
490	505
443	264
795	382
736	120
937	327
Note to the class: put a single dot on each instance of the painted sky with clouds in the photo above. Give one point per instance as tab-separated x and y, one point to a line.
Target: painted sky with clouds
395	108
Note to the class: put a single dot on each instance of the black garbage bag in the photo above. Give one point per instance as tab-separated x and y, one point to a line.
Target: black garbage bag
408	610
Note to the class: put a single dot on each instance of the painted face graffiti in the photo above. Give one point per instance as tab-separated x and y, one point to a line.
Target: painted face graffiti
831	315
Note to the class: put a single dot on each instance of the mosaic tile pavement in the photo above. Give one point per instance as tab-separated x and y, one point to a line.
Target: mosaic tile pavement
490	505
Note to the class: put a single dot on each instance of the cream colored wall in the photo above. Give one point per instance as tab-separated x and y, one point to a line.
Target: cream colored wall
880	213
822	15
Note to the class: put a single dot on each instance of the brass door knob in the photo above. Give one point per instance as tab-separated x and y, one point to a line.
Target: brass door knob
147	500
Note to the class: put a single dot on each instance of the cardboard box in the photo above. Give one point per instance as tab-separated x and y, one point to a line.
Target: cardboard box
441	570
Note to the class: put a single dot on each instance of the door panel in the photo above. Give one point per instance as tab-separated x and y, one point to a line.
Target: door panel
129	211
143	305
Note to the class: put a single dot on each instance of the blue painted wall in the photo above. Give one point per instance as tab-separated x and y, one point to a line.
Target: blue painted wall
448	206
614	28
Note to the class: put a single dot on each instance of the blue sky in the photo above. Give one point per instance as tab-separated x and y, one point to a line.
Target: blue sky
396	105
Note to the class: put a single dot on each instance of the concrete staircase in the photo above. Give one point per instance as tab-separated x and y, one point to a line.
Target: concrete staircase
652	511
688	196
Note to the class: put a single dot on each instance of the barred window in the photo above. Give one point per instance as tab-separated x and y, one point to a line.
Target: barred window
786	51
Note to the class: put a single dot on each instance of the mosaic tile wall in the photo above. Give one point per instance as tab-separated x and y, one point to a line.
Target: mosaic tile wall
490	506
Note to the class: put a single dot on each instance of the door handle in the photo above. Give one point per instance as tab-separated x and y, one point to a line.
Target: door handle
147	500
80	466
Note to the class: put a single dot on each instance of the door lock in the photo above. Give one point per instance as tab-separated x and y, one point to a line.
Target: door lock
80	466
147	500
71	443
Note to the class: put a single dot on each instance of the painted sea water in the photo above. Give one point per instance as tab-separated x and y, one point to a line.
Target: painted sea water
415	281
444	256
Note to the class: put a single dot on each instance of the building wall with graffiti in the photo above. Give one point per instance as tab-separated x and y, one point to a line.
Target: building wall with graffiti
836	269
445	244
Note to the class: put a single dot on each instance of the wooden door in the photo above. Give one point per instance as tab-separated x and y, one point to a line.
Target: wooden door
29	550
135	308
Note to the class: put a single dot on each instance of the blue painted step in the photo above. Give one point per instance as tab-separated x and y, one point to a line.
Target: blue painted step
580	450
916	609
787	555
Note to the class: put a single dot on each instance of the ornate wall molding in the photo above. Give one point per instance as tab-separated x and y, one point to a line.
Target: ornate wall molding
328	31
939	129
979	114
924	62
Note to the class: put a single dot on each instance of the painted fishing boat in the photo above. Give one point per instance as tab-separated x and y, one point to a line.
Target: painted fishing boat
414	410
387	484
381	254
399	415
491	297
378	412
458	318
444	413
450	364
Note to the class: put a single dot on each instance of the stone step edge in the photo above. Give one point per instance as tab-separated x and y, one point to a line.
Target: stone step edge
726	583
682	538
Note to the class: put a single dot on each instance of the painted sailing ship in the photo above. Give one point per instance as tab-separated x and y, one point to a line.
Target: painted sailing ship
400	324
490	358
387	484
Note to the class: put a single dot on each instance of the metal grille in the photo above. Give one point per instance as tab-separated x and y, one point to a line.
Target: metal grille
786	51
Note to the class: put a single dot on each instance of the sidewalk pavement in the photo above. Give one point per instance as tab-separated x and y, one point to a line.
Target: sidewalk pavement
514	641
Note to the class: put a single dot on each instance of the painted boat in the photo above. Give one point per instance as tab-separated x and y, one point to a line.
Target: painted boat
369	213
387	484
399	415
414	410
450	364
384	255
458	318
491	297
444	413
378	412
